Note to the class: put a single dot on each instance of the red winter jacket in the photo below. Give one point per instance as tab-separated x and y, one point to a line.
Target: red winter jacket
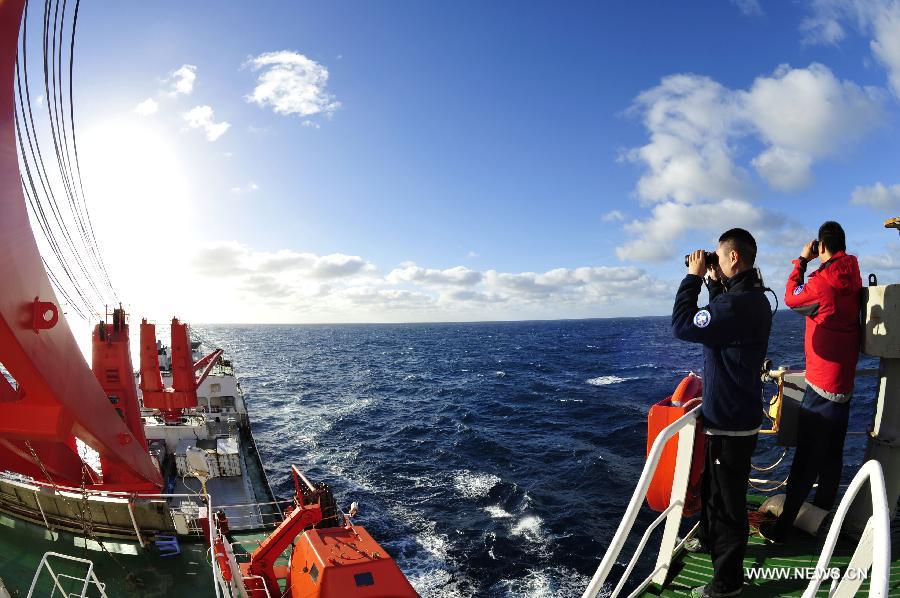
831	301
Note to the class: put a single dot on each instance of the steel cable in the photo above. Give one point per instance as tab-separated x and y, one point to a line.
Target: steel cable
78	255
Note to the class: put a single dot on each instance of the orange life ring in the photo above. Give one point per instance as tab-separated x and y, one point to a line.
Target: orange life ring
686	396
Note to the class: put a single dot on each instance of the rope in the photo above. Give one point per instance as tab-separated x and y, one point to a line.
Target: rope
83	513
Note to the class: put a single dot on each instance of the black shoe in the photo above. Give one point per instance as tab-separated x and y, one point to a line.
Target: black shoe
768	532
695	545
707	592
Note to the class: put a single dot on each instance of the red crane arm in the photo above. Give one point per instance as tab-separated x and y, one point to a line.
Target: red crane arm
262	560
60	397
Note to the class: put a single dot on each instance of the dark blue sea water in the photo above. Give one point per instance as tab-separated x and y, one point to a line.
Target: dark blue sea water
491	459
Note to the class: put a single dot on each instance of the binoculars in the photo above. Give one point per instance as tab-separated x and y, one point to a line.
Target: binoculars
712	259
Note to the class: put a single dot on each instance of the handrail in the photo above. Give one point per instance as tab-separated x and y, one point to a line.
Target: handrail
642	543
682	468
873	549
262	589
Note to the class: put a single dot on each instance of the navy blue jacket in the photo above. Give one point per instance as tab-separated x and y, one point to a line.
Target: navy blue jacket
734	330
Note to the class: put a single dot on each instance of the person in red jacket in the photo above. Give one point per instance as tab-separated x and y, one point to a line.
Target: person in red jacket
830	300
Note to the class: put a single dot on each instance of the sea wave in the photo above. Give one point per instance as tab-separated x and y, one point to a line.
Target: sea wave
529	527
607	380
458	474
474	485
497	512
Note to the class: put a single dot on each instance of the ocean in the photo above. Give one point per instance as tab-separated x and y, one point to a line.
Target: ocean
490	459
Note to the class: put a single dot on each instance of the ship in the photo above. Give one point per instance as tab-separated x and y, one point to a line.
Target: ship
122	483
149	483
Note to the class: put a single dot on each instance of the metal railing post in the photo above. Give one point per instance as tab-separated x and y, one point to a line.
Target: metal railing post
637	499
212	542
683	462
877	553
137	531
44	516
87	578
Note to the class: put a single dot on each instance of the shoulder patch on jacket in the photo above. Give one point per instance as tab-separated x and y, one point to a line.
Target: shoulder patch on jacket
798	290
702	318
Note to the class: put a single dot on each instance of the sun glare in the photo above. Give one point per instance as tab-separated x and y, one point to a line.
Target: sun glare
138	189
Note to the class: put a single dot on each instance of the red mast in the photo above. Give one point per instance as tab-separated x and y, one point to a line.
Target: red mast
183	394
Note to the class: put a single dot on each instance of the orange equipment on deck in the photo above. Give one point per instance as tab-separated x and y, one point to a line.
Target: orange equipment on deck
183	394
345	561
111	362
329	560
686	397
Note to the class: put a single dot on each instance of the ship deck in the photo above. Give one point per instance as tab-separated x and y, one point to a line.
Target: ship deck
23	544
690	570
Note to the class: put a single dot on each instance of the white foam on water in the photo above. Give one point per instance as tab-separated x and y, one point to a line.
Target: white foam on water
606	380
473	484
530	528
497	512
547	582
430	570
500	374
435	582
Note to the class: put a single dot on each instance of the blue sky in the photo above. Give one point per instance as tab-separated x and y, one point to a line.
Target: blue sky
475	160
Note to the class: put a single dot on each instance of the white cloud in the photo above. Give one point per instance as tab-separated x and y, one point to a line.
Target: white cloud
750	8
784	169
655	236
232	258
202	117
696	126
472	255
290	83
613	216
460	275
877	196
337	265
181	81
881	263
244	189
691	121
886	43
147	107
878	19
699	130
809	114
339	287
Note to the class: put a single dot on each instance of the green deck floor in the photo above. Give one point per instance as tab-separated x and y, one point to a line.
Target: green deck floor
696	570
693	570
23	544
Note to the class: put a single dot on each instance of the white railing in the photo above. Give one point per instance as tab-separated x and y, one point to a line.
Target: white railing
89	578
874	547
685	427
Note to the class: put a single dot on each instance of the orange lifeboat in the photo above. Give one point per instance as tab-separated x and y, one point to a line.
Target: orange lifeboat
686	396
345	561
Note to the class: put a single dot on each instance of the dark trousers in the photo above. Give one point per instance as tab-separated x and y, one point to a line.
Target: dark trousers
821	428
723	512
